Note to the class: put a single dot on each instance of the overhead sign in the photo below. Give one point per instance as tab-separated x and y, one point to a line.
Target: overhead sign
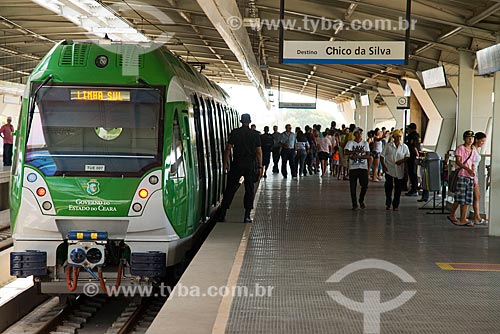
488	60
435	77
351	52
297	105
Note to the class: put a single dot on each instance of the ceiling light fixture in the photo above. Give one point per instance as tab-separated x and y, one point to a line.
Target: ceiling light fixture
95	18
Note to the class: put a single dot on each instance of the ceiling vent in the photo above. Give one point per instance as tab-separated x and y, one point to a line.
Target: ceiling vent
74	55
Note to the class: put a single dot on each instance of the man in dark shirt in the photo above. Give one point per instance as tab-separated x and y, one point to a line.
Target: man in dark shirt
267	141
413	143
276	149
247	162
6	132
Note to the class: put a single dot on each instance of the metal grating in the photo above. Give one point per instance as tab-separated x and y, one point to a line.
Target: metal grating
304	231
74	55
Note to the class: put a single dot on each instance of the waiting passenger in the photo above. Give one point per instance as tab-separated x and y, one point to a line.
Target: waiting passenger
266	140
358	152
464	159
276	149
302	148
324	148
393	159
376	150
288	140
479	141
413	143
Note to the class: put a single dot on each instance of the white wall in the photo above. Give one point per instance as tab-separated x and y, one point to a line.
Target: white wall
482	103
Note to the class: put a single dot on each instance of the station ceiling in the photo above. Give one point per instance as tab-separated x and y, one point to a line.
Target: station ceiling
443	28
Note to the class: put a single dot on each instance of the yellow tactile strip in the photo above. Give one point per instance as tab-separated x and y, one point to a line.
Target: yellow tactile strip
469	266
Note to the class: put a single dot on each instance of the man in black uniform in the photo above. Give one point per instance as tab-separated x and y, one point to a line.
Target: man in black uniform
247	162
413	143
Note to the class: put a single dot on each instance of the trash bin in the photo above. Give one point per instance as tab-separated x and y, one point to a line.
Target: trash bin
431	162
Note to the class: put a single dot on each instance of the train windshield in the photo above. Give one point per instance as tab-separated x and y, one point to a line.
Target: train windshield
93	131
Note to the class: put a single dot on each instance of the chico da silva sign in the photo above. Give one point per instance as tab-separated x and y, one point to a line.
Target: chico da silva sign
351	52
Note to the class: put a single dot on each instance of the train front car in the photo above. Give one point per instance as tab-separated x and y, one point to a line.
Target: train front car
101	189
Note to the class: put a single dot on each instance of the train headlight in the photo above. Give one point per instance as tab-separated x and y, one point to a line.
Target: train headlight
47	205
137	207
94	255
77	255
32	177
153	179
143	193
101	61
41	191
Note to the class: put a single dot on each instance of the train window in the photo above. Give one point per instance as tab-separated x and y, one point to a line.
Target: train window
188	136
70	135
175	159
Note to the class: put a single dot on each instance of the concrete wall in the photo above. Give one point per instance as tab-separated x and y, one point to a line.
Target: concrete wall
482	102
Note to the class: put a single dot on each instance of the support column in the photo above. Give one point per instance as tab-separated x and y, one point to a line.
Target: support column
495	160
370	113
465	94
358	112
392	104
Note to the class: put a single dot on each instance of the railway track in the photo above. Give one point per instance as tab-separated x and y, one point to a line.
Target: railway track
85	315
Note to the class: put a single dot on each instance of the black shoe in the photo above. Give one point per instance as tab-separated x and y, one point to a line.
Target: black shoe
220	216
247	217
412	193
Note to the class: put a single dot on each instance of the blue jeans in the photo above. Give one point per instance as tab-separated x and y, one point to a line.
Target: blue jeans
301	159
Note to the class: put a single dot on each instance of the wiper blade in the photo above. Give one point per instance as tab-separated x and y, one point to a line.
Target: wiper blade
145	83
32	104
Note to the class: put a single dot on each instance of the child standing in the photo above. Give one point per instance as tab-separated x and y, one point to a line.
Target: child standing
335	161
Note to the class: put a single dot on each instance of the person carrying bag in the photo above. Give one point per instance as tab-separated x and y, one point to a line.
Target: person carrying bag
453	180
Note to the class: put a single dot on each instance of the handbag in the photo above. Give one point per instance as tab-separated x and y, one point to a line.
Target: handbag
453	179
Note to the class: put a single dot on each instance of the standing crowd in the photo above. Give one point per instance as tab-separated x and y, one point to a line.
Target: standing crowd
344	153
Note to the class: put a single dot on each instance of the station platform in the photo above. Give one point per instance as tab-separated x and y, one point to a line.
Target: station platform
327	267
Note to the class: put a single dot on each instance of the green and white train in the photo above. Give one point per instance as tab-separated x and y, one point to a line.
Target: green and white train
114	175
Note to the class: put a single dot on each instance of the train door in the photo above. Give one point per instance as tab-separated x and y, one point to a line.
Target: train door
190	170
218	156
202	158
213	154
177	186
222	144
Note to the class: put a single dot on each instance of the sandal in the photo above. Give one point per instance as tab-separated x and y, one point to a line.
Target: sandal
452	219
480	222
467	224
